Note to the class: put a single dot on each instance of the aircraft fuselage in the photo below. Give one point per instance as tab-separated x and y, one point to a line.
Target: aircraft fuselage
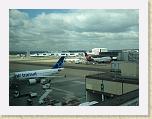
36	73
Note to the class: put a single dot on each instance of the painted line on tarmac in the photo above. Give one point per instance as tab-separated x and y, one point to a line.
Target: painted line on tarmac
79	82
66	80
71	93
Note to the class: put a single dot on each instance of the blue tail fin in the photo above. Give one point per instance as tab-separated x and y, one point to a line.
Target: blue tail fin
59	63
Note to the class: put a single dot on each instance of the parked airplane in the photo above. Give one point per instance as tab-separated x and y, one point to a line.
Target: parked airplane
97	60
44	73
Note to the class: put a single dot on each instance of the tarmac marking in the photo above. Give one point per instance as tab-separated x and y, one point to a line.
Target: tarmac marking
66	80
79	82
63	90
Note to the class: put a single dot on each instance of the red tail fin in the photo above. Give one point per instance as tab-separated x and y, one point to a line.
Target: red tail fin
88	57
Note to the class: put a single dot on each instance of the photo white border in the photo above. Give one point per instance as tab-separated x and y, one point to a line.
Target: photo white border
142	109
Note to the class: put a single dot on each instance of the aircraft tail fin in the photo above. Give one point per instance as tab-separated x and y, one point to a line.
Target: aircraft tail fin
85	54
59	63
88	57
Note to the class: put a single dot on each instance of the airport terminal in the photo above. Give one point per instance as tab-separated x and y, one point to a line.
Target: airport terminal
99	77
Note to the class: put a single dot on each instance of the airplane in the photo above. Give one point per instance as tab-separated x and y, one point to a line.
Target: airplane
44	73
97	60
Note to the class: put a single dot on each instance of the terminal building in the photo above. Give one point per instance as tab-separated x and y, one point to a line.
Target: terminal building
118	87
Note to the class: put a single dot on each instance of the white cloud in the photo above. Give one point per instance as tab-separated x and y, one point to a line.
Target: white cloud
78	29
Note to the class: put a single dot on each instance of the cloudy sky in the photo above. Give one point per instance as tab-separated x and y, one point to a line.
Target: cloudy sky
65	29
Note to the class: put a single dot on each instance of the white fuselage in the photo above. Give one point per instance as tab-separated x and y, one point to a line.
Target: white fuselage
36	73
102	59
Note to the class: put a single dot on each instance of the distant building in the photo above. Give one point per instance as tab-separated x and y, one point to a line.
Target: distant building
39	54
67	54
129	55
75	51
97	51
